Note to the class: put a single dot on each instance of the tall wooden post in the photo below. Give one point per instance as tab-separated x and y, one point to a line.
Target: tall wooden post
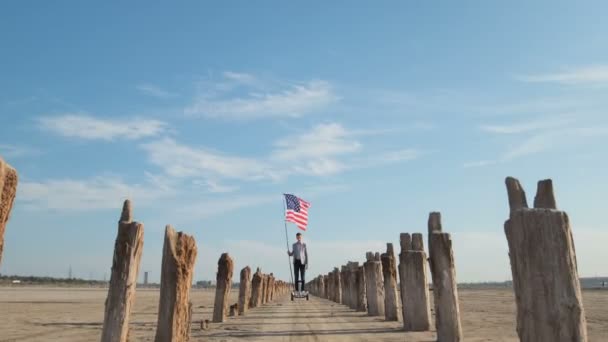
225	268
174	308
125	268
374	282
416	308
244	290
544	268
445	291
8	190
256	289
389	272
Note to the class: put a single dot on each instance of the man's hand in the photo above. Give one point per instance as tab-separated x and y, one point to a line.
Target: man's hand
306	265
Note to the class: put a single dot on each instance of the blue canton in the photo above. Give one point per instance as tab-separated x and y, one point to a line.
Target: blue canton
292	203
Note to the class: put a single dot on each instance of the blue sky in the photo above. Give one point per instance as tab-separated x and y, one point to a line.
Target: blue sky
204	115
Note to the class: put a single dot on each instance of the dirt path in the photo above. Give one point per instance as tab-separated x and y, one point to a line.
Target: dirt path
314	320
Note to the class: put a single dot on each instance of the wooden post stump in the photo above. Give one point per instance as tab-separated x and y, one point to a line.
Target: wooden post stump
174	308
416	307
234	310
256	289
125	268
225	267
8	190
244	290
389	272
544	268
445	291
344	285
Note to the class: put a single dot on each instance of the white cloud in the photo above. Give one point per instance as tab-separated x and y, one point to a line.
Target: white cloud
154	91
184	161
15	151
215	187
594	74
213	207
89	194
241	78
324	150
323	140
529	126
88	127
293	101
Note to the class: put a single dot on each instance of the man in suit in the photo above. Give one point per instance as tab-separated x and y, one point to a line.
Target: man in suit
300	260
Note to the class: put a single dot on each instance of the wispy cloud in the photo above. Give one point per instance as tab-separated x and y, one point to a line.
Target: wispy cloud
325	149
539	137
85	126
213	207
17	151
105	192
523	127
154	91
593	74
315	152
292	100
180	160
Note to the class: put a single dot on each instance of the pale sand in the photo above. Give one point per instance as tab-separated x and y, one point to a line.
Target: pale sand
68	314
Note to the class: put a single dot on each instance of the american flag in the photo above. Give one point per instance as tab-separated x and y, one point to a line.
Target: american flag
296	211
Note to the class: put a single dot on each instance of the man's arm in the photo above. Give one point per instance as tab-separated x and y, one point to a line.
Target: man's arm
290	253
306	255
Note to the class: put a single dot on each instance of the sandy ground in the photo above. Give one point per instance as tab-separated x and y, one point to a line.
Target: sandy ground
68	314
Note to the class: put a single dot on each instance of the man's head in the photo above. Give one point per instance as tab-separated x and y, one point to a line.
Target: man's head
299	236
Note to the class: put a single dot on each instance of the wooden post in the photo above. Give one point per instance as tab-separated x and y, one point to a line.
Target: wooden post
330	286
338	285
544	268
389	272
8	190
264	287
361	291
225	267
244	290
374	282
344	285
125	268
174	308
270	288
416	307
256	289
447	311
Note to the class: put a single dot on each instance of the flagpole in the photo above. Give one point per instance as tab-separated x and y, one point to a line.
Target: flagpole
287	242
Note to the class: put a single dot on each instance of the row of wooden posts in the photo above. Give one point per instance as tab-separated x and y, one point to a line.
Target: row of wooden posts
175	308
541	252
543	265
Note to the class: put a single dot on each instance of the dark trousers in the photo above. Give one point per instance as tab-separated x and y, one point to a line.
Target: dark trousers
299	268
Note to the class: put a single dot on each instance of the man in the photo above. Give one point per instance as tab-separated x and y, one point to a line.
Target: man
300	260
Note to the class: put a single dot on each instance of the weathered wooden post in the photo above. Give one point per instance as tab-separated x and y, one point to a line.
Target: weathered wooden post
353	267
177	269
338	285
125	268
331	283
389	272
344	285
361	291
374	282
8	190
265	278
416	307
544	269
445	291
326	286
244	290
270	288
256	289
225	267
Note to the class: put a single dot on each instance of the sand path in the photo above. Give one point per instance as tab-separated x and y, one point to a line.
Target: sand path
314	320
